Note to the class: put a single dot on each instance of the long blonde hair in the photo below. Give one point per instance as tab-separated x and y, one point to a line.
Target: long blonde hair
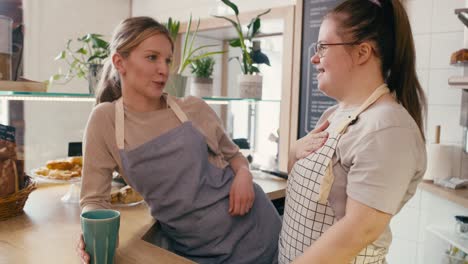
128	35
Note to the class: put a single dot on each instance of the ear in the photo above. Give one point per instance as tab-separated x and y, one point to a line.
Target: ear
118	62
364	52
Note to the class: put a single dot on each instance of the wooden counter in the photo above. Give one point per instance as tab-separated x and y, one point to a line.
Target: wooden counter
48	230
459	196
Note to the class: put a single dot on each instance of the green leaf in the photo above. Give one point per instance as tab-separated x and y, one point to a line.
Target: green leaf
56	77
232	6
202	47
254	69
264	13
61	55
234	23
99	43
235	43
254	26
184	51
81	74
86	38
94	35
206	55
203	67
82	51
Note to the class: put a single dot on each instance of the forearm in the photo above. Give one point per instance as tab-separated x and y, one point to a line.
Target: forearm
360	226
239	162
339	244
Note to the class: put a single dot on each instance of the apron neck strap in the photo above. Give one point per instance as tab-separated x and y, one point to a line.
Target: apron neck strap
120	116
175	107
119	123
381	90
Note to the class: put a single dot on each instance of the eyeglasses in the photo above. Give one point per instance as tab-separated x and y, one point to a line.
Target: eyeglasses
320	48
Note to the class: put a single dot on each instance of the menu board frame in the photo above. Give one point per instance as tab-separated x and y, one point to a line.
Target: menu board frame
310	103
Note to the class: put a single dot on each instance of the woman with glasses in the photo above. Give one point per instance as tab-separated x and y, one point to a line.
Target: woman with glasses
341	197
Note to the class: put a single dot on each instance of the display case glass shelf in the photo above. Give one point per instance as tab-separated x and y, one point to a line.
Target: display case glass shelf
41	96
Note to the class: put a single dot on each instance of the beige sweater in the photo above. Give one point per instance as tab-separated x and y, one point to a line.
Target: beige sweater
101	156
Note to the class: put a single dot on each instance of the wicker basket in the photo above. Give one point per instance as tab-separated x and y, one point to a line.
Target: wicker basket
13	204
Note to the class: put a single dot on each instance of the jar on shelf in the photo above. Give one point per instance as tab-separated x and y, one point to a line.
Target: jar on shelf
6	24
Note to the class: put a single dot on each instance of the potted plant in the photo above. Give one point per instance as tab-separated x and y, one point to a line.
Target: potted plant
177	82
85	62
201	82
250	81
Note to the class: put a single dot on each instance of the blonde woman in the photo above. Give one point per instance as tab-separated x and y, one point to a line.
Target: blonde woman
175	153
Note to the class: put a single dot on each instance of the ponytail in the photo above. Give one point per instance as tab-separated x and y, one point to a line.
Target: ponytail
386	23
402	77
109	88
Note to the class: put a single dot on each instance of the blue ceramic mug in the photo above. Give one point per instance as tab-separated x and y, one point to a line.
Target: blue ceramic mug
100	231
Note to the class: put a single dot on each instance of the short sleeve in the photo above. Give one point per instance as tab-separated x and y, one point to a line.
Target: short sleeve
383	166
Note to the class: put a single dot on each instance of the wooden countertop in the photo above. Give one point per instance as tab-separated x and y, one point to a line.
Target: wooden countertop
459	196
48	230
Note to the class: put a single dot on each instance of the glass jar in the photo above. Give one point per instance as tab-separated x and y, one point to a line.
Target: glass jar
6	25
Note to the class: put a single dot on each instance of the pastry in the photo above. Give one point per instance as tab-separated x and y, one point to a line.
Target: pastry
62	169
115	196
59	165
128	195
62	174
42	171
78	160
459	56
57	174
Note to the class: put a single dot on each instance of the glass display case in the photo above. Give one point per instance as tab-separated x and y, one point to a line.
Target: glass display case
269	123
51	121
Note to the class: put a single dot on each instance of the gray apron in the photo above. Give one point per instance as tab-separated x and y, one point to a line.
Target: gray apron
190	197
307	211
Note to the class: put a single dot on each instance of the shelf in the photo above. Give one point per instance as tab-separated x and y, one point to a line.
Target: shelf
45	96
450	236
226	100
459	82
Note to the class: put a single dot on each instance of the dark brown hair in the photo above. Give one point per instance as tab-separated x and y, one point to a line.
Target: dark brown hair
386	23
128	35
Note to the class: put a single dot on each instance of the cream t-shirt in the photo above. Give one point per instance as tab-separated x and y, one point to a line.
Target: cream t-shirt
379	160
101	155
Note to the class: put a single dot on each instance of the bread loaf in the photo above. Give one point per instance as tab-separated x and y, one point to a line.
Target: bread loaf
8	171
459	56
7	177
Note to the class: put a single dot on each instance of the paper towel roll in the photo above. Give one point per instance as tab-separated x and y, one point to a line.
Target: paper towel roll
439	164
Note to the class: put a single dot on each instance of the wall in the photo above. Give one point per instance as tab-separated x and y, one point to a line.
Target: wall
437	33
161	10
48	25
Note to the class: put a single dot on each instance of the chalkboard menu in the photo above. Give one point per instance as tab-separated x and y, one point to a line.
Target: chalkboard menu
312	102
